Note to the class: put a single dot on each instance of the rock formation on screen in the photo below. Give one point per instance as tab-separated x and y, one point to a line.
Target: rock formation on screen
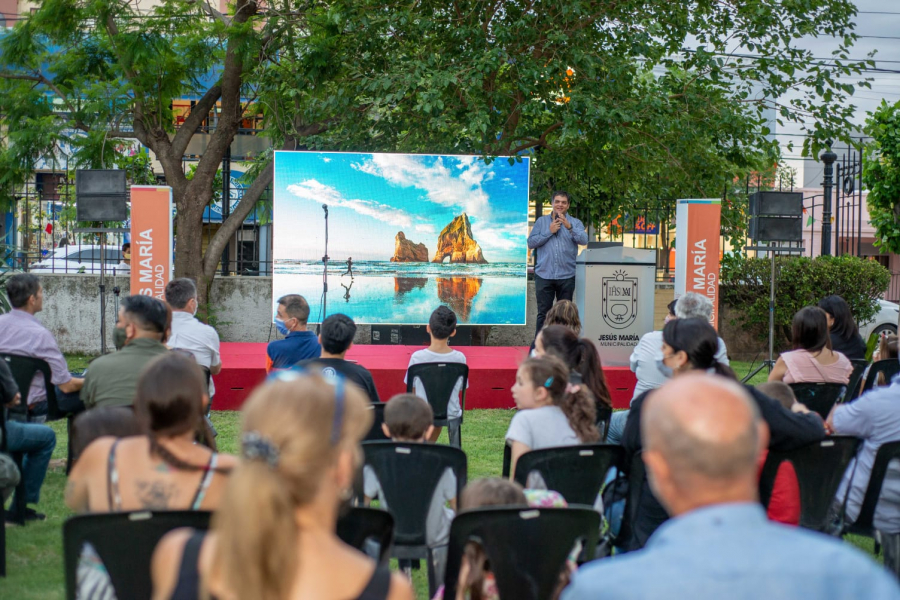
457	244
408	251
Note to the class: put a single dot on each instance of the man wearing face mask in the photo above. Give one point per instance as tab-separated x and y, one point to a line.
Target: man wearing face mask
299	344
190	334
555	239
111	380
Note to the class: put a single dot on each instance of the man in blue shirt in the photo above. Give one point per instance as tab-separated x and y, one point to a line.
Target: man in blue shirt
702	436
555	239
299	344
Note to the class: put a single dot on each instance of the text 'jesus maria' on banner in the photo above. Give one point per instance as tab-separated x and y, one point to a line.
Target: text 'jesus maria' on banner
151	240
697	230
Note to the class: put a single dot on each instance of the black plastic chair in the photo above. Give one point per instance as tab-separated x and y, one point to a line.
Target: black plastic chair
23	369
361	524
819	467
376	434
409	474
576	472
889	367
507	461
819	397
856	379
439	379
527	548
124	542
865	522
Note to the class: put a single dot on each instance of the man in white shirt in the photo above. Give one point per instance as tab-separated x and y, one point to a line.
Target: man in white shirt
647	356
188	333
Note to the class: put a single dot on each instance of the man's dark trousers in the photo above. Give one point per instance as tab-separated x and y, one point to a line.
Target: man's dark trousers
548	291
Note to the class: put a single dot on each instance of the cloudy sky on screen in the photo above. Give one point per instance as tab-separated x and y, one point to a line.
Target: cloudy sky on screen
371	197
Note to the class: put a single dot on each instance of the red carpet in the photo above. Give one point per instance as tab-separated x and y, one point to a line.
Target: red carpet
492	372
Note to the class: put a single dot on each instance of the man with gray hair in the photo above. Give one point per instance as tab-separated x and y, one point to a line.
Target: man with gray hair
188	333
702	436
647	355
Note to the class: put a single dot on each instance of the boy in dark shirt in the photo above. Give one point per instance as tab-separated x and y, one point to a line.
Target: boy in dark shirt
336	338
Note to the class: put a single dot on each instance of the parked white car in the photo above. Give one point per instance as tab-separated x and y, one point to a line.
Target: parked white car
885	320
78	259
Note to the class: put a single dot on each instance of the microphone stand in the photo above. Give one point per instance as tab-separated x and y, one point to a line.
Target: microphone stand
325	270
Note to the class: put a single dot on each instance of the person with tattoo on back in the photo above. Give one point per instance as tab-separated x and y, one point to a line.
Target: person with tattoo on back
164	469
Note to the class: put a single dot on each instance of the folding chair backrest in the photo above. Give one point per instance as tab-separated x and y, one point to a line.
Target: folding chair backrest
576	472
361	524
507	461
24	368
889	367
409	474
527	548
124	542
438	379
819	397
376	433
865	521
819	467
856	378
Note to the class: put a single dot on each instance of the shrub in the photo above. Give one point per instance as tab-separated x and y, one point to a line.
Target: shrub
799	282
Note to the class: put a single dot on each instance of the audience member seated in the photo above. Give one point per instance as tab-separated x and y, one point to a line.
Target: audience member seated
475	577
188	333
811	360
647	355
691	345
408	418
21	333
164	469
887	349
583	360
105	421
552	411
274	535
565	313
299	343
441	327
36	441
336	338
842	328
784	501
875	419
703	436
111	380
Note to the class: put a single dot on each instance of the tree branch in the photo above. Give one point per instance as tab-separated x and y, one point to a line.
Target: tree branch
192	122
241	211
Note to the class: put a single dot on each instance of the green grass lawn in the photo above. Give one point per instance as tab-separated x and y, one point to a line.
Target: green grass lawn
34	552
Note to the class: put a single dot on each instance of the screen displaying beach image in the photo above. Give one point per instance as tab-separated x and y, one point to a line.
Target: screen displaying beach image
406	233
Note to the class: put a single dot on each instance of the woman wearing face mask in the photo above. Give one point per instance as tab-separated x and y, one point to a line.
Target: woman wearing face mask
690	345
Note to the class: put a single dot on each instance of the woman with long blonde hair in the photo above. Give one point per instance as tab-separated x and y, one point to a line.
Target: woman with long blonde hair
273	537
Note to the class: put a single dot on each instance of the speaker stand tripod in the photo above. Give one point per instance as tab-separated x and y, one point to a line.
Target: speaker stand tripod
772	250
103	231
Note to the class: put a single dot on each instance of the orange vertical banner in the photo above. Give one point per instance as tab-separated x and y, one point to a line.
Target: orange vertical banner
151	240
697	258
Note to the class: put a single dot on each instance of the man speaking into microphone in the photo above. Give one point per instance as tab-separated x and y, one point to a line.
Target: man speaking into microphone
555	239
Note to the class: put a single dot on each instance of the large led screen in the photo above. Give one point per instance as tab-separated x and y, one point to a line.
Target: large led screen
405	234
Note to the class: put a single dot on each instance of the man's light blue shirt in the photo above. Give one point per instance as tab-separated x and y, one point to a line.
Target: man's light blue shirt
732	551
556	251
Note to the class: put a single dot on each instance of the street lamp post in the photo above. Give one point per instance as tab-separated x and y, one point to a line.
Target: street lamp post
828	157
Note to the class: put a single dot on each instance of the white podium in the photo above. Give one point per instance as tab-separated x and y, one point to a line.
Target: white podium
614	290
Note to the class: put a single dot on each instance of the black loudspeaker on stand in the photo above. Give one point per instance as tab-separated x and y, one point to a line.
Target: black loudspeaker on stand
774	217
100	195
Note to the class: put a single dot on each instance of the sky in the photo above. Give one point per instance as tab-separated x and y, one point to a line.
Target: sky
878	25
371	197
